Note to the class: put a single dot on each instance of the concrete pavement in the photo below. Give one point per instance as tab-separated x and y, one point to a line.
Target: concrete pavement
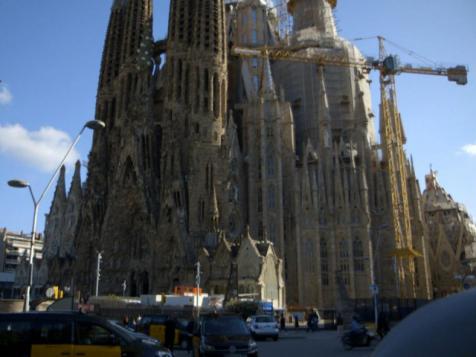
299	343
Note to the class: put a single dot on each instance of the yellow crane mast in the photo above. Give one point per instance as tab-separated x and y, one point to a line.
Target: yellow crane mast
393	140
391	128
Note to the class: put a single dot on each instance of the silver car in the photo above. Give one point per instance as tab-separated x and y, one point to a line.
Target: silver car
263	326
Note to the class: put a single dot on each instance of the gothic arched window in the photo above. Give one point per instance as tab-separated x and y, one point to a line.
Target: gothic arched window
343	249
358	252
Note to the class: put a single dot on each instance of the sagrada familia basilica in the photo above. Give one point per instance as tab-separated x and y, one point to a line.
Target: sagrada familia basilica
267	172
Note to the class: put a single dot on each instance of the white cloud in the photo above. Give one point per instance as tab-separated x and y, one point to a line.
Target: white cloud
469	149
43	149
5	96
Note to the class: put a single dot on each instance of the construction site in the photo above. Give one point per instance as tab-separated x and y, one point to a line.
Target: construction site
246	142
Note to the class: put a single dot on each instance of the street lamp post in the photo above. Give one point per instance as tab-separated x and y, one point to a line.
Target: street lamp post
98	272
197	281
93	125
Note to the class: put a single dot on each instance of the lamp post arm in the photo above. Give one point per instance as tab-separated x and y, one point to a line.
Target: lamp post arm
61	164
32	195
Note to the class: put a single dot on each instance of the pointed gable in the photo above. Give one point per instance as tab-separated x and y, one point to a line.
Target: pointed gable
249	259
221	261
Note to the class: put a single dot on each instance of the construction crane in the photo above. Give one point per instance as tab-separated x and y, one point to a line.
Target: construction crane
391	127
330	57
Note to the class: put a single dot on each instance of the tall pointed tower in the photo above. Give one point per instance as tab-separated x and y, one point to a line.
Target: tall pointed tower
119	202
314	13
195	105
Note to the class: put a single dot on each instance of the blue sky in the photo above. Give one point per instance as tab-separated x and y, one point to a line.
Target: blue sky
50	52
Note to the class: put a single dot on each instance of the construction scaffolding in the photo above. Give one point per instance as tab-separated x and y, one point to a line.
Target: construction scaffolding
284	21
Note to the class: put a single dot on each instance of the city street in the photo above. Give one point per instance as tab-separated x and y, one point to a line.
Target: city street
301	344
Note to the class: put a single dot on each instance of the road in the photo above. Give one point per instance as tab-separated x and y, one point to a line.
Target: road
302	344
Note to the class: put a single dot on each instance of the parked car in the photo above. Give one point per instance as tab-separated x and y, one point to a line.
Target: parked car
52	334
223	335
263	326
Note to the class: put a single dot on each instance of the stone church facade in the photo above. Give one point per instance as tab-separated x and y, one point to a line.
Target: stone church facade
452	248
267	172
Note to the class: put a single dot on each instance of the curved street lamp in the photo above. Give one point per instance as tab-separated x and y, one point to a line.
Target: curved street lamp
93	125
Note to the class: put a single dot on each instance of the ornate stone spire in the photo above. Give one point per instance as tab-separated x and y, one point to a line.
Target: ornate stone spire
75	189
129	24
314	13
267	90
60	192
118	4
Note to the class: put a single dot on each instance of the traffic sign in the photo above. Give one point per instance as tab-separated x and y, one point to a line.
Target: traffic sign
374	288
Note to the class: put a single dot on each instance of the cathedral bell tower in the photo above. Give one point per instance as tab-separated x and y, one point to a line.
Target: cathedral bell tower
196	101
120	161
314	13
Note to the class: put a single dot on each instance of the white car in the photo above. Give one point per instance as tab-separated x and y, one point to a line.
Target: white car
263	326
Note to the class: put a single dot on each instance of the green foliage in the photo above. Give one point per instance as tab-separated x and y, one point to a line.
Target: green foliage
243	308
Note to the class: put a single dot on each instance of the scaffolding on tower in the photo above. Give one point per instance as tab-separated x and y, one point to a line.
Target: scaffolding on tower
284	21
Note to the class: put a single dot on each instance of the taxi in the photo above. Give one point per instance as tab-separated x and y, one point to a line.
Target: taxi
59	334
154	326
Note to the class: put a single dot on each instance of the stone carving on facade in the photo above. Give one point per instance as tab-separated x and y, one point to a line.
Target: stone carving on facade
206	144
453	238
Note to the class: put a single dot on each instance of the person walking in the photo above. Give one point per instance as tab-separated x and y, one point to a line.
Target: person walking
282	322
339	321
309	322
296	321
190	331
382	325
170	326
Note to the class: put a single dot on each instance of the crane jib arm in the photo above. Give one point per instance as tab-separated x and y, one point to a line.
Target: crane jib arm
332	57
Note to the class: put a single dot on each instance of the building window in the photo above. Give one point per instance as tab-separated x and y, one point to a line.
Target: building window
177	199
254	17
358	252
272	233
357	248
343	249
269	132
325	273
260	201
254	37
198	89
256	82
417	275
323	248
344	270
270	171
310	256
179	80
271	197
201	211
216	96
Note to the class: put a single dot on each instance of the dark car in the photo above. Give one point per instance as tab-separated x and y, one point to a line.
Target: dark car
224	335
47	334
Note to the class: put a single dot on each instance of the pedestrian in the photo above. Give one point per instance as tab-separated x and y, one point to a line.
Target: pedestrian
309	322
382	325
315	318
282	322
296	321
190	330
339	322
170	326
